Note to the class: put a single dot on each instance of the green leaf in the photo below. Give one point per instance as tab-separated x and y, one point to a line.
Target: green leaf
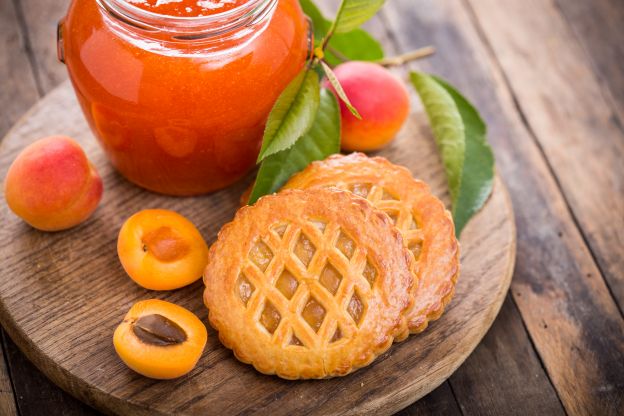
322	140
333	80
319	23
292	115
357	45
353	13
460	135
447	126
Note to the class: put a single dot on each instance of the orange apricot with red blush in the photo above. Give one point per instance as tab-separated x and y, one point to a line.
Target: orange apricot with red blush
382	101
161	250
52	185
160	340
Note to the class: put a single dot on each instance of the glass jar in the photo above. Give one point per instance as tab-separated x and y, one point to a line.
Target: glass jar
179	104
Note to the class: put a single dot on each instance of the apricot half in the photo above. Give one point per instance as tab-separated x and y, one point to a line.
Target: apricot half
161	250
52	185
381	99
160	340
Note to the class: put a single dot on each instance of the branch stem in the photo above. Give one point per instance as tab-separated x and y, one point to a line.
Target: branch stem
407	57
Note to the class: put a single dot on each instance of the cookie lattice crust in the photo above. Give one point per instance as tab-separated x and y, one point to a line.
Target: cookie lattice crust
426	226
308	284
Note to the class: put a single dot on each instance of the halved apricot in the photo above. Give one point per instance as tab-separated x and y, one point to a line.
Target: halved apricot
160	340
161	250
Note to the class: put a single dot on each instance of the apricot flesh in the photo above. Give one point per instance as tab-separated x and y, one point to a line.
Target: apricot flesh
52	185
160	340
381	99
161	250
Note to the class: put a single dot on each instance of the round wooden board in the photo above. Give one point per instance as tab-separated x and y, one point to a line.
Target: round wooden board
62	295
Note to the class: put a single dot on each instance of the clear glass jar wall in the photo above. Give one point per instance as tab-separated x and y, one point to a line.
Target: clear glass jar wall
179	104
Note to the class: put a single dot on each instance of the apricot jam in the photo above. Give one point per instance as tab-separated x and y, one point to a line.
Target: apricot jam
187	8
178	93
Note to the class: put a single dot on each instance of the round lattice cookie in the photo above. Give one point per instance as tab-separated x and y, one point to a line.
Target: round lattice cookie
308	284
426	226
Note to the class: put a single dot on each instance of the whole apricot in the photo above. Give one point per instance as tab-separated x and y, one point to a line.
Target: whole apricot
52	185
161	250
159	339
381	99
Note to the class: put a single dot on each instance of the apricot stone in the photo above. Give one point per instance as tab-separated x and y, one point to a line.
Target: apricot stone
159	339
52	185
381	99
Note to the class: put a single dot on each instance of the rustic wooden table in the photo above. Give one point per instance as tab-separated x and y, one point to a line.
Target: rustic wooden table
547	75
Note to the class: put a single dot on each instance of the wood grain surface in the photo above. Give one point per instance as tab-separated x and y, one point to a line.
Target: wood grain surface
567	260
568	123
568	116
74	282
558	287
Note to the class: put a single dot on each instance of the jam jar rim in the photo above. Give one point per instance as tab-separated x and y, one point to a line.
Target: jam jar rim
205	26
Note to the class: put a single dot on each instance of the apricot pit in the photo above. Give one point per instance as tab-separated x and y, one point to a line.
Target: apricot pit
156	329
159	339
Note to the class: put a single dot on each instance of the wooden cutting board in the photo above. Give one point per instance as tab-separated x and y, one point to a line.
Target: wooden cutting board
62	294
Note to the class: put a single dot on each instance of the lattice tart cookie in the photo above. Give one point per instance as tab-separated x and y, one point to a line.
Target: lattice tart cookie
308	284
426	226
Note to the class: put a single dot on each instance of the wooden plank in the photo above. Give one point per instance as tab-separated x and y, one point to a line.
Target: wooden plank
7	396
521	385
574	122
598	26
40	19
18	93
441	401
564	302
36	392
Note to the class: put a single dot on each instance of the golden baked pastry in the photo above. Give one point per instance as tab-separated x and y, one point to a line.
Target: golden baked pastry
426	226
308	284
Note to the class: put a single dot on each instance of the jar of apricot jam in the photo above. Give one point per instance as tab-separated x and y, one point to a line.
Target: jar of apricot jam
178	91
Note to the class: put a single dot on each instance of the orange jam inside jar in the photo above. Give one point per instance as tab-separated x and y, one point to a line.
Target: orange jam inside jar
178	92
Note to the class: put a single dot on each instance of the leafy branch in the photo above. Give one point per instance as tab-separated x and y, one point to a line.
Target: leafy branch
304	124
